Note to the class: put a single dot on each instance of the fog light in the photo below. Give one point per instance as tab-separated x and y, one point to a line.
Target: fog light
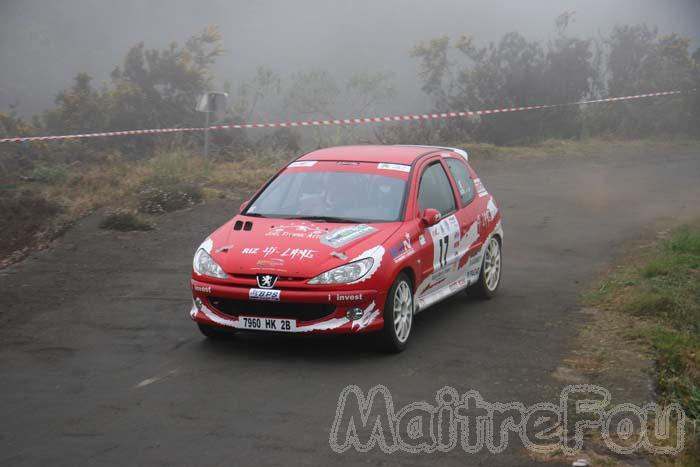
354	313
198	303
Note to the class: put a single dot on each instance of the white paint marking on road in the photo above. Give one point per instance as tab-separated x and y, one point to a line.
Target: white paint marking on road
156	378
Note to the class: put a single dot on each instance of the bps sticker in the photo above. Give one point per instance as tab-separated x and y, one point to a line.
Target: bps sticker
264	294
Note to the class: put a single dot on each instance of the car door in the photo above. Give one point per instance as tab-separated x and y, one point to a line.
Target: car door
440	254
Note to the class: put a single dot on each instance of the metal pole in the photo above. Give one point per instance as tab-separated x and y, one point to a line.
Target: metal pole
206	135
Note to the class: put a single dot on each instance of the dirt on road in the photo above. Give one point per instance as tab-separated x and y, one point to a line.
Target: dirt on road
100	364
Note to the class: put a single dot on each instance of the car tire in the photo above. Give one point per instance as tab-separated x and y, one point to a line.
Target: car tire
398	315
490	275
214	332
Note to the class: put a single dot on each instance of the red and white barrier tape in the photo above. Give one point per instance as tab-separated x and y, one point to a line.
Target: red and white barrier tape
344	121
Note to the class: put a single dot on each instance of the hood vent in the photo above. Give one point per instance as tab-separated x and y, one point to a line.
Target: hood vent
240	225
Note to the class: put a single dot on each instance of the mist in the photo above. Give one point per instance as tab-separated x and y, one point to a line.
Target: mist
44	44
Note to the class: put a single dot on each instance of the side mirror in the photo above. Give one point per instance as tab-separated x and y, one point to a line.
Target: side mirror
431	217
244	205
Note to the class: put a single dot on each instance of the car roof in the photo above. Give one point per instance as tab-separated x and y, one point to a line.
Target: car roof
373	153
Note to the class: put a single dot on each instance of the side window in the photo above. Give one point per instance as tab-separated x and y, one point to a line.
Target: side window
465	185
435	190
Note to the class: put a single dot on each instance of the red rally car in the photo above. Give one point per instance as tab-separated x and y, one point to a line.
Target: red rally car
351	239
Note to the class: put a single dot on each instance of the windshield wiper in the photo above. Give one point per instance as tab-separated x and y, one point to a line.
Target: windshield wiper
254	214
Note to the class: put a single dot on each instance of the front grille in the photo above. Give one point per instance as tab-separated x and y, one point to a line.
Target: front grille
298	311
253	276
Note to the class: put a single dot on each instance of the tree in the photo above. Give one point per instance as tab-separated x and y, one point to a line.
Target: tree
639	62
312	94
369	90
151	89
161	87
251	93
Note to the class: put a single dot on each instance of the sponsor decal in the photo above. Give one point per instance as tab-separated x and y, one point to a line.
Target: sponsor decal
485	218
437	278
270	263
295	231
271	295
461	188
376	253
369	315
344	235
402	250
198	288
266	281
302	164
399	167
292	253
475	259
480	189
340	256
207	245
421	240
224	249
458	284
349	298
298	253
269	250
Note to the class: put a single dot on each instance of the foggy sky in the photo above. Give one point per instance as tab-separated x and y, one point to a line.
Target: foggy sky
44	43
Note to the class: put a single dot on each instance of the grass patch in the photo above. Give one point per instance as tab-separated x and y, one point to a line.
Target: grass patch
165	193
125	221
51	174
54	195
661	288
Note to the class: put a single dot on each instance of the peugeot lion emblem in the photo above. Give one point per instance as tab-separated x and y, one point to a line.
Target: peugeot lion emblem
266	281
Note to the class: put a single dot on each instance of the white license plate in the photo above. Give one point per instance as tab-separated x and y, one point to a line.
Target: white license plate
267	324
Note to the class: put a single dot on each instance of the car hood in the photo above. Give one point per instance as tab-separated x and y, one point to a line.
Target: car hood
296	248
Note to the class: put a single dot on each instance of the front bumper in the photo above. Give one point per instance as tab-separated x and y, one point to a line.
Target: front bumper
304	306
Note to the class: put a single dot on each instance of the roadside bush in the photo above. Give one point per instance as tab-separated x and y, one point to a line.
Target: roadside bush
22	214
50	174
161	194
125	221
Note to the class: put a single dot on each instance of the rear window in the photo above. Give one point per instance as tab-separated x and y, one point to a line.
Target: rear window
464	182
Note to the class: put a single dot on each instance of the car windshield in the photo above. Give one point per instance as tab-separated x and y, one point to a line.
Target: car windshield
332	196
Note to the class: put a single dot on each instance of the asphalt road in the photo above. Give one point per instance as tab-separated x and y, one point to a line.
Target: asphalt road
100	364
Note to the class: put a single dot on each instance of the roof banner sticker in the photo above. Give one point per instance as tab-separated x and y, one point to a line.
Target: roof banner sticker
302	164
399	167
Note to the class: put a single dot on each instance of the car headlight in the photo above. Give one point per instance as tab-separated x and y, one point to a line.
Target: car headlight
344	274
204	265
